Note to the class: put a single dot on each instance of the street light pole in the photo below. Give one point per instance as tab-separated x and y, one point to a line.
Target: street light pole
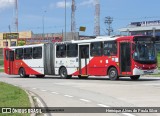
65	22
9	27
43	22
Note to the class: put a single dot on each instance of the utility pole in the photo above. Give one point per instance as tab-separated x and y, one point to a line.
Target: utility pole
16	15
108	21
73	21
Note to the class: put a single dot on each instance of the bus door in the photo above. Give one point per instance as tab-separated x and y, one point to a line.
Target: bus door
83	59
125	58
8	61
11	62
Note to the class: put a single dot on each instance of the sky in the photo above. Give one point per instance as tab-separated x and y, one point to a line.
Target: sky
32	12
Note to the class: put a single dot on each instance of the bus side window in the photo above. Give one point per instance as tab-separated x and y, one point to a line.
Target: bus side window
96	49
27	53
110	48
19	53
37	52
72	50
61	51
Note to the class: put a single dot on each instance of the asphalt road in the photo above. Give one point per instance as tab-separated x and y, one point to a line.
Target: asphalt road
93	92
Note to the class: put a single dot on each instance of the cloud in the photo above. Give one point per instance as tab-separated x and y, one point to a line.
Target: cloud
60	4
87	3
6	4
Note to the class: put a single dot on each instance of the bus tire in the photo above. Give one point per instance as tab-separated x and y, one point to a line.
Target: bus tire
63	73
22	73
40	76
135	77
113	74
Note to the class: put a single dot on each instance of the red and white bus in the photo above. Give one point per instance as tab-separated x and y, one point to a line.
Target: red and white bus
116	57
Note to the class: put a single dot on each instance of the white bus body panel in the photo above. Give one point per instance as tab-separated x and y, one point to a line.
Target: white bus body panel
35	64
71	64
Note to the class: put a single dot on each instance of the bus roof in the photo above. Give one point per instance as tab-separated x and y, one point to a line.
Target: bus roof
98	38
26	46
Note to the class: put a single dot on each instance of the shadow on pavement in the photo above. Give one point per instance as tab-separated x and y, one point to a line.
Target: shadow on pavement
94	78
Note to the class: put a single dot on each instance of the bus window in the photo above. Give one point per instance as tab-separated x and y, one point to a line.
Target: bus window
84	51
61	51
19	53
27	53
72	50
96	49
110	48
37	52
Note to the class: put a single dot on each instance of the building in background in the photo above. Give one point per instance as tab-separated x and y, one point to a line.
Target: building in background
40	38
142	28
151	28
10	39
28	37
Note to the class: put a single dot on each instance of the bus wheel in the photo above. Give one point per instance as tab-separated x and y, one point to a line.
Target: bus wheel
22	73
135	77
40	76
63	73
113	74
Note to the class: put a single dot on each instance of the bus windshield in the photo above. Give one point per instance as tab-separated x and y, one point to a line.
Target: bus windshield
145	52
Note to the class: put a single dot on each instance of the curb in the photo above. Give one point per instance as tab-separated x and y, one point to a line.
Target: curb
31	101
36	101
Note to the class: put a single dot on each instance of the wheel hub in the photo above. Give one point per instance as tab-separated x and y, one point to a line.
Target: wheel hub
112	73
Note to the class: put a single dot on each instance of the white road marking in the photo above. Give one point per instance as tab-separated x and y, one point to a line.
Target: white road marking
68	96
34	88
43	90
128	114
102	105
85	100
54	92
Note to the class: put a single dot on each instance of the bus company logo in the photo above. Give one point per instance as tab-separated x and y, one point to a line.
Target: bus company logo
6	110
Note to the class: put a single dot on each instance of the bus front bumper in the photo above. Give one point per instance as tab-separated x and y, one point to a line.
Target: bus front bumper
137	71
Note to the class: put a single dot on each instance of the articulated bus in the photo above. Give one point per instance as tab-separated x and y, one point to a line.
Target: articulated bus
121	56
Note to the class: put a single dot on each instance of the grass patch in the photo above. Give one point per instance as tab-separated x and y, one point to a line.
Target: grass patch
1	62
11	96
1	70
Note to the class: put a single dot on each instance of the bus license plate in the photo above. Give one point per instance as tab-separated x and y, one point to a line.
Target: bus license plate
148	71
